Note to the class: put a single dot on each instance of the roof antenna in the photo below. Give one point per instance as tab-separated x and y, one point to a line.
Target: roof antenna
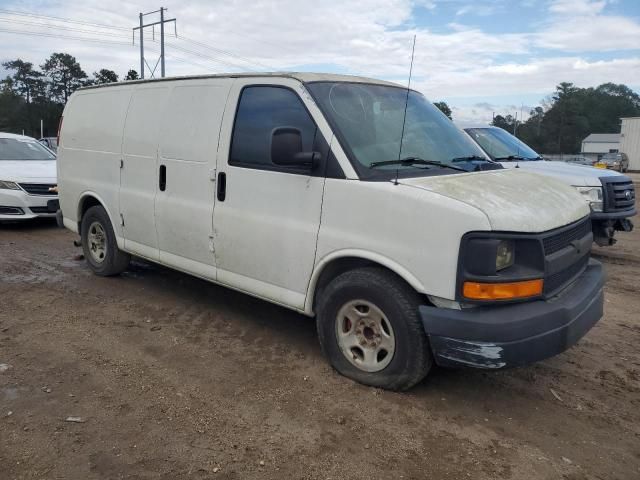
406	103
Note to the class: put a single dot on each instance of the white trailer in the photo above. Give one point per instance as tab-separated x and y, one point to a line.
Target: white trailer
630	141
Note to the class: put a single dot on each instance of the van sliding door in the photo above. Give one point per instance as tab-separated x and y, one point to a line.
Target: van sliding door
187	161
139	178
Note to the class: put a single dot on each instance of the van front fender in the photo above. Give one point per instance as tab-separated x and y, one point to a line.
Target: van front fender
356	254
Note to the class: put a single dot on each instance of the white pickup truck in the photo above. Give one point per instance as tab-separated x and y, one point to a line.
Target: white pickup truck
610	194
316	192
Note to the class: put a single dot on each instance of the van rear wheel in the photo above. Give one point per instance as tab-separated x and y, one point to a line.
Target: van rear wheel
99	244
370	331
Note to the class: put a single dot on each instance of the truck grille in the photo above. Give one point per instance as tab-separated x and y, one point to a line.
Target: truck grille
38	188
556	242
619	193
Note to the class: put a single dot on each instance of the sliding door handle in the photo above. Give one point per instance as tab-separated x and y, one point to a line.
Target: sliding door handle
222	186
162	178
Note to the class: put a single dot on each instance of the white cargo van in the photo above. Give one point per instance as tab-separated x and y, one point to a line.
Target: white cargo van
313	192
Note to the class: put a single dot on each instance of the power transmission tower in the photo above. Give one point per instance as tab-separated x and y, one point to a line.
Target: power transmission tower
142	26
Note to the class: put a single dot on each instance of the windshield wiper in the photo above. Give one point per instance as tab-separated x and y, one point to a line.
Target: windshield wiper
510	158
469	158
410	161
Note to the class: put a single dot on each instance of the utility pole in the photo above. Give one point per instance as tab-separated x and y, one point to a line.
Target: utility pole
141	27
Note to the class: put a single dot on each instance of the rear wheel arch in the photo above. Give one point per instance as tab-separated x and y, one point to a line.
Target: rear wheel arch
88	200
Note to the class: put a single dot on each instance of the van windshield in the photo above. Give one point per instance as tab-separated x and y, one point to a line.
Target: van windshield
368	120
501	146
23	149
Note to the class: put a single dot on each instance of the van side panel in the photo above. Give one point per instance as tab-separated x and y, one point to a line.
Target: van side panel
187	150
90	151
139	178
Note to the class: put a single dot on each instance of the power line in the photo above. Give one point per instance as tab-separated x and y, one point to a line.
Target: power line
224	52
210	58
53	35
216	59
61	19
60	27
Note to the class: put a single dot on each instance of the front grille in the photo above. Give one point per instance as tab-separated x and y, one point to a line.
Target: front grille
556	242
38	188
40	209
555	282
619	193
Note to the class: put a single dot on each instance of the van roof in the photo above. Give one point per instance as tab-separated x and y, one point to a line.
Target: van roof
304	77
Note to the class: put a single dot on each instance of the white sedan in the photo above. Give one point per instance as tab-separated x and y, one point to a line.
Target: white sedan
27	179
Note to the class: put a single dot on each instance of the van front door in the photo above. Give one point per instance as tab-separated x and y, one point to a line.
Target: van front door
266	217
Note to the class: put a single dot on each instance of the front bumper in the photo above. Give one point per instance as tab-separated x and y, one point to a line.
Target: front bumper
24	206
516	334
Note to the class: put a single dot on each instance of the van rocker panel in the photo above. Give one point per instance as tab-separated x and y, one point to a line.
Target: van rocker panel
516	334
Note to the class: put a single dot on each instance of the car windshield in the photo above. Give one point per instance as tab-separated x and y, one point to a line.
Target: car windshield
500	145
368	120
610	157
23	149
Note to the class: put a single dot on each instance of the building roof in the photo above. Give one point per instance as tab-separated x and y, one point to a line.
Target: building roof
603	138
304	77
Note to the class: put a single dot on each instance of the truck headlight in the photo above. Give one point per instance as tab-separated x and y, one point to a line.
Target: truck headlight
504	255
9	185
593	195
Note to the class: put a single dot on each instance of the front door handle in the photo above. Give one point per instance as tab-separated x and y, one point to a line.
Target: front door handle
222	186
162	178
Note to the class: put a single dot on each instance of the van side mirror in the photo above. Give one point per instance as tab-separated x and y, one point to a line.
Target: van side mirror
286	149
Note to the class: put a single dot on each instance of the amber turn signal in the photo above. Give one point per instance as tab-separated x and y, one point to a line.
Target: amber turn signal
502	291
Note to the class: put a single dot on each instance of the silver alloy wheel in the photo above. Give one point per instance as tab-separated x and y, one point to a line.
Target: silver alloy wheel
365	335
97	239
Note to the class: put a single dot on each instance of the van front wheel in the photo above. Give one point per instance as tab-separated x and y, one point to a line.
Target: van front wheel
99	244
370	331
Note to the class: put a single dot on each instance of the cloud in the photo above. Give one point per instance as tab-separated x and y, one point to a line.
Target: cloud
482	10
591	34
366	37
577	7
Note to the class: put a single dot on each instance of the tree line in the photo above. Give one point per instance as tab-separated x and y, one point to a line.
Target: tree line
29	94
559	125
567	117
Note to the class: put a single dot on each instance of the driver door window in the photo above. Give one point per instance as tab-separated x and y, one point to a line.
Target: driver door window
262	109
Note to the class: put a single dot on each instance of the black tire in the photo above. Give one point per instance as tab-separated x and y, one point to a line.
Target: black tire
114	261
411	360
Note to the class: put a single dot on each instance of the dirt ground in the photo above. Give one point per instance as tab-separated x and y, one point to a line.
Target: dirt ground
175	378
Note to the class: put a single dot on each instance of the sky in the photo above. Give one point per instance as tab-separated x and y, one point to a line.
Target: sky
481	57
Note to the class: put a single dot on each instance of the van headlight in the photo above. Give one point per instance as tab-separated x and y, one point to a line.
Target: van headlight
9	185
499	267
593	195
504	255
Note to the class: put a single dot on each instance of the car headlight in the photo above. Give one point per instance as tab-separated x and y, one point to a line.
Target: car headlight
9	185
504	255
593	195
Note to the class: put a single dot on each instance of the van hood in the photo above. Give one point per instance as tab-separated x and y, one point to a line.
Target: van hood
37	171
576	175
512	200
